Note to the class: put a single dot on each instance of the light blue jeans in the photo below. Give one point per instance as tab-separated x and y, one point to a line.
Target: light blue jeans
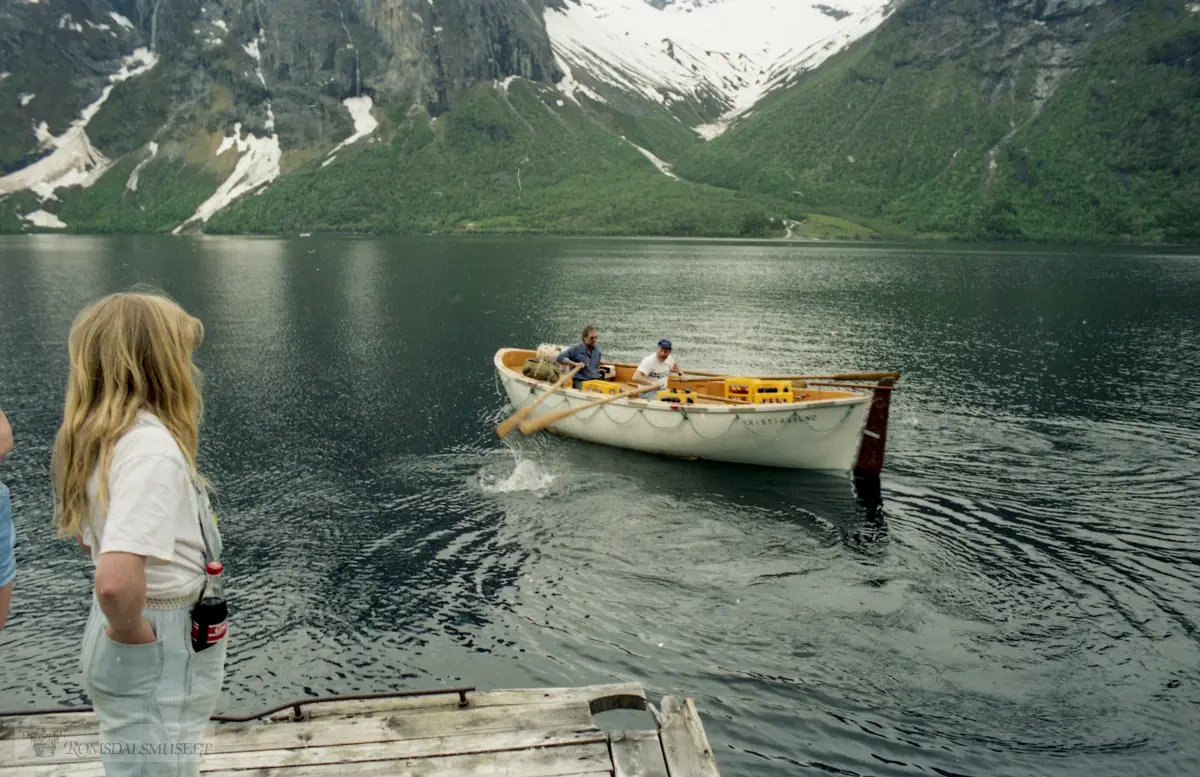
153	701
8	568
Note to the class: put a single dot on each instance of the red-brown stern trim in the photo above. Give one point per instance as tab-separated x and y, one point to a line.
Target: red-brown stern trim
870	452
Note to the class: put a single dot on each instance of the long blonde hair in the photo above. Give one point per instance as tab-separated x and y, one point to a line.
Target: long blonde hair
129	351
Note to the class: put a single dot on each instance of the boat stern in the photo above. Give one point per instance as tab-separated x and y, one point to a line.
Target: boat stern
874	434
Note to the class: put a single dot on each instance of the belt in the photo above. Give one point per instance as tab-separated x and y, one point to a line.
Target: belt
175	602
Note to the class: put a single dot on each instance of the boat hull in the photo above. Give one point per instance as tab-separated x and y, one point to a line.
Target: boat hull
822	435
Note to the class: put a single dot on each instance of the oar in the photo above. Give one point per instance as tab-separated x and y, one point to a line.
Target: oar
726	400
510	423
534	425
852	385
842	376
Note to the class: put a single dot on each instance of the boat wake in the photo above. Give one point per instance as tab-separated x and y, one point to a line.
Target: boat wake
526	475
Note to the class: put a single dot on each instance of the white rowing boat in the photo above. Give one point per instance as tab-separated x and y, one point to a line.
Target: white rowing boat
824	428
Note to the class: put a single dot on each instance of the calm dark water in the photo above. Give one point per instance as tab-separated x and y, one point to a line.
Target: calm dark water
1021	597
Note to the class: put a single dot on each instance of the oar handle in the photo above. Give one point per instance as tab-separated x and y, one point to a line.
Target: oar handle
532	426
564	380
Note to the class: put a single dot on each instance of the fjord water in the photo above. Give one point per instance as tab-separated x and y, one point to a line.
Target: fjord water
1020	597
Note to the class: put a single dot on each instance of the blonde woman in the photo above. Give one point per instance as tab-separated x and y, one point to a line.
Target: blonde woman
127	488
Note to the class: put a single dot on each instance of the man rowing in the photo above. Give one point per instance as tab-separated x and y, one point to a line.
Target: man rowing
584	354
656	368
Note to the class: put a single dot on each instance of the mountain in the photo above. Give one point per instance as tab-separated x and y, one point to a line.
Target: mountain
260	80
991	119
185	115
1044	119
706	61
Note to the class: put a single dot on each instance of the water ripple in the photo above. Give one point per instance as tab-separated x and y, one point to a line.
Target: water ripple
1017	597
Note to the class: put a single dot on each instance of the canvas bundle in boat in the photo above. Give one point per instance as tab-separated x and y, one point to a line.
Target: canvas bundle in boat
540	370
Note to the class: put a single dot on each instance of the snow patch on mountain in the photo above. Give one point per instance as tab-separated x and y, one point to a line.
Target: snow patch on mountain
728	51
132	183
73	161
66	22
258	164
364	122
569	86
257	167
40	218
663	167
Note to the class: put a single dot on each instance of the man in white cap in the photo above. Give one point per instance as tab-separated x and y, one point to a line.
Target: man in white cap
656	367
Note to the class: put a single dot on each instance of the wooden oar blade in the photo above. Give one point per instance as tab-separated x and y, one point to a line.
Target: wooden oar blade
505	427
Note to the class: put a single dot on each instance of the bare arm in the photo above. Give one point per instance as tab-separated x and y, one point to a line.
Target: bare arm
121	592
6	436
640	378
565	358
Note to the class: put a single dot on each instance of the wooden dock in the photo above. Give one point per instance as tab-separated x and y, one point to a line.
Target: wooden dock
453	733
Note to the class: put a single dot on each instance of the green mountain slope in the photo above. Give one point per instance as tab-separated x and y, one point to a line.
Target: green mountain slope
990	122
519	159
508	160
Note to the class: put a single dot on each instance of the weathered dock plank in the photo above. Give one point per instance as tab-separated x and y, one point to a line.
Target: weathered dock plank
599	698
685	745
637	754
230	755
508	733
328	762
560	744
384	726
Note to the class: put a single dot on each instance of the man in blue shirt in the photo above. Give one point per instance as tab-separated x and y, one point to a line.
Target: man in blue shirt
584	354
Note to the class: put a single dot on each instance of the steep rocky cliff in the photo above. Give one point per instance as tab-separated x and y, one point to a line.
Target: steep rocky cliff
241	60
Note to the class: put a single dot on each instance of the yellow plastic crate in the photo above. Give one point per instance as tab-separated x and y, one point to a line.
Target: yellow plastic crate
741	388
680	396
600	387
769	392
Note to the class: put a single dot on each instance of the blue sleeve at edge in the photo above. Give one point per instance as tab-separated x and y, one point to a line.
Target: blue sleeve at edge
8	569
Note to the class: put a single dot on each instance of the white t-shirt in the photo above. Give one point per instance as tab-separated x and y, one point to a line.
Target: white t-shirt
655	369
152	510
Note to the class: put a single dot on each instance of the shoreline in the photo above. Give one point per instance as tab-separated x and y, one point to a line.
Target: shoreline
532	235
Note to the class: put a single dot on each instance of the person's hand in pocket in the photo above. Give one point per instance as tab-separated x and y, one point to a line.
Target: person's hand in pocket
142	634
